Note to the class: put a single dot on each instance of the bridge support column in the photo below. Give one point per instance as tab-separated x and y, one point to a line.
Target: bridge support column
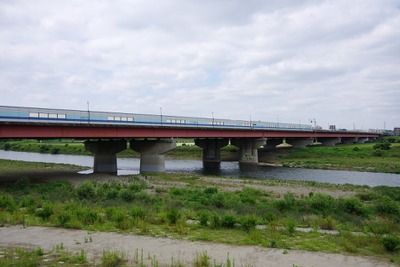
211	151
299	142
329	141
248	148
349	140
152	153
362	140
105	154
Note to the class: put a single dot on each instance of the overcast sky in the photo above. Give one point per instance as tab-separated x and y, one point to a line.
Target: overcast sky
288	60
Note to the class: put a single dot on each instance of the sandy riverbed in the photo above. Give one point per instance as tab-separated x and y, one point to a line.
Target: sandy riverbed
164	249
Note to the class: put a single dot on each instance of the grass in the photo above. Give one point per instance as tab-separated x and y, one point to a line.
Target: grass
161	205
357	157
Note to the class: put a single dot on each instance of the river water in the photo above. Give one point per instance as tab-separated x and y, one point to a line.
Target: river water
227	169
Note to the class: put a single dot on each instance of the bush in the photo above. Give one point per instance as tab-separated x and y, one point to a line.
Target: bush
382	146
203	218
228	221
327	223
55	150
7	202
64	219
211	190
86	190
352	205
45	212
173	215
391	243
138	212
126	195
248	222
377	153
322	203
215	221
387	206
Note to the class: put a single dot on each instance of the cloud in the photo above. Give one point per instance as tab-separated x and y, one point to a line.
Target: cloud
336	61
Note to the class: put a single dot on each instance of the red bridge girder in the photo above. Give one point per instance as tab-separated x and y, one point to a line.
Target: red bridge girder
43	131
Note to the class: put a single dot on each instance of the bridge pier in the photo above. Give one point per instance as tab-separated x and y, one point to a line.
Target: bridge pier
349	140
105	154
362	140
152	153
299	142
326	141
211	151
248	148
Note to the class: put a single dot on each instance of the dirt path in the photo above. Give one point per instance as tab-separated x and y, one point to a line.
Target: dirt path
164	250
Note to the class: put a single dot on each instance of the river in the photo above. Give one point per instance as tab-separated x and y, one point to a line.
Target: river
228	169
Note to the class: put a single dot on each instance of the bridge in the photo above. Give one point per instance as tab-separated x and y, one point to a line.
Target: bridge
107	133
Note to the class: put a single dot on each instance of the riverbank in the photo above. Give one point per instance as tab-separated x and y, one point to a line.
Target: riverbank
267	214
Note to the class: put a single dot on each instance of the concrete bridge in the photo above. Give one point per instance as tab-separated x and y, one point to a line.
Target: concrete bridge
153	140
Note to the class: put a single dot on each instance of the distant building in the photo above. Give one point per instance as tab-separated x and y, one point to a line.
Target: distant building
332	127
396	131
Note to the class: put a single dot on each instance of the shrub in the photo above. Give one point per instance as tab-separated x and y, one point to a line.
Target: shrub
382	146
211	190
228	221
377	153
86	190
352	205
45	212
173	215
269	216
215	221
55	150
64	219
391	243
327	223
248	222
7	202
290	225
126	195
137	212
7	146
322	203
203	218
387	206
112	258
44	148
202	260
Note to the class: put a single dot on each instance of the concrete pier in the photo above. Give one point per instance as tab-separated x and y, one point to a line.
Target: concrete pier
362	140
211	150
349	140
105	154
299	142
152	153
326	141
248	148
